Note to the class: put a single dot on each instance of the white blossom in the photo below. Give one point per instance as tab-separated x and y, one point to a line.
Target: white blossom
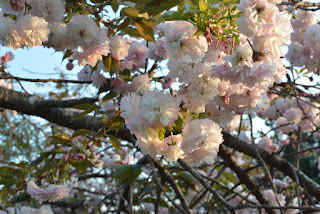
160	109
33	30
201	141
84	32
51	10
51	194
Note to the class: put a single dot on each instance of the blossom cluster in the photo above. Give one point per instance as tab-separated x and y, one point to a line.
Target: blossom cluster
146	115
304	49
219	79
45	209
51	194
291	115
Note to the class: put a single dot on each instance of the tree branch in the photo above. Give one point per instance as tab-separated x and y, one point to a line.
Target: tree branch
44	80
24	104
64	103
274	161
244	178
172	183
206	185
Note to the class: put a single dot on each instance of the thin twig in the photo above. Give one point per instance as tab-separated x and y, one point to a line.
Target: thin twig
206	185
164	192
44	80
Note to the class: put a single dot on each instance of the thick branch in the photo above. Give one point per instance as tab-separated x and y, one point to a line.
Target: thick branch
44	80
244	177
27	104
206	185
173	184
274	161
64	103
24	103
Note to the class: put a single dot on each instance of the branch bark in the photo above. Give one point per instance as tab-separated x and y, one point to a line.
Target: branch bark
244	177
274	161
25	104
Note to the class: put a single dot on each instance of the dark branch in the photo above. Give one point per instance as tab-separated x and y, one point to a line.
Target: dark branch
243	176
274	161
64	103
24	104
44	80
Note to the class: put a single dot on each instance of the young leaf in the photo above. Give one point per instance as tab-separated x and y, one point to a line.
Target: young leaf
67	54
107	60
179	124
114	141
202	6
126	174
109	96
145	29
80	132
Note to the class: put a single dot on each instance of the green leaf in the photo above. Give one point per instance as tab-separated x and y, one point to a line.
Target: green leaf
81	166
125	74
114	141
126	174
8	171
131	32
203	6
54	151
155	7
107	61
161	134
145	29
22	165
124	24
116	123
109	96
115	6
82	114
110	63
67	54
133	12
229	177
179	124
4	193
231	2
64	171
86	107
187	178
60	138
114	66
174	15
98	1
13	17
80	132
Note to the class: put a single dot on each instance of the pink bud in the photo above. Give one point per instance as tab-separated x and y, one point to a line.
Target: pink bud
17	5
79	157
69	66
65	157
284	142
7	58
226	100
166	82
274	148
116	82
